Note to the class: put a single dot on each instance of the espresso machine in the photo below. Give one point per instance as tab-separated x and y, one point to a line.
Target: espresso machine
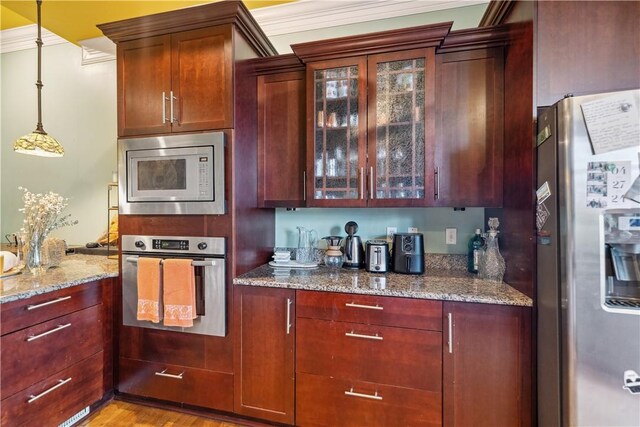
353	250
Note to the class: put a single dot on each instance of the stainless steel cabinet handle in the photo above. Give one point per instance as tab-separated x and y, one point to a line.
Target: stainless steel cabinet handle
366	396
368	337
59	328
361	183
370	307
171	97
304	186
164	374
436	189
450	320
289	302
44	304
33	398
372	195
164	108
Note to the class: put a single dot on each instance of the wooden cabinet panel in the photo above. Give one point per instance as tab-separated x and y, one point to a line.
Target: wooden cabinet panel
370	309
177	384
71	389
487	368
56	344
22	313
264	381
401	128
144	75
176	82
202	80
469	128
396	356
281	140
323	401
161	346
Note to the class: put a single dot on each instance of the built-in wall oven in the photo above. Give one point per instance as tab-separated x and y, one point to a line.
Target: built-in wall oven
208	255
172	175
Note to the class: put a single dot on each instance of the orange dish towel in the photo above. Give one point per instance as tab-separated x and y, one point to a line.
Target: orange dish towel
179	292
149	289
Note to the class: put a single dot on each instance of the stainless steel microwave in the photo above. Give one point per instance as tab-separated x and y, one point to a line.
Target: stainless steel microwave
172	175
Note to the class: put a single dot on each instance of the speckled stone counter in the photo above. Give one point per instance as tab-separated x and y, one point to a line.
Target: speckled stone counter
437	284
74	270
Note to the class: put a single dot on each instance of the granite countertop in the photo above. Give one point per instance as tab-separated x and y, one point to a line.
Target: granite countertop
436	284
73	270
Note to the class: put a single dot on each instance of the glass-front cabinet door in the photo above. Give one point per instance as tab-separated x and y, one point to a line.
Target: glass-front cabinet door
401	128
336	109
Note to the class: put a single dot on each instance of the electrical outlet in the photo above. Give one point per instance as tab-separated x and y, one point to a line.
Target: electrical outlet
413	229
390	232
451	236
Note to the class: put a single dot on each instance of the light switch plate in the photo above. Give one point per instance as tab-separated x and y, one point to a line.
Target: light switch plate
390	232
412	230
451	236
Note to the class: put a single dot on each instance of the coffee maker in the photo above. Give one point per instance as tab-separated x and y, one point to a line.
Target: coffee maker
353	251
408	253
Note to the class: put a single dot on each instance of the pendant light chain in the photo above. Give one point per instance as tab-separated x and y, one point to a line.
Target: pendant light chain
39	84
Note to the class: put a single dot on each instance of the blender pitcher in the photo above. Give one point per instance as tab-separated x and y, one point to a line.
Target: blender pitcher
307	240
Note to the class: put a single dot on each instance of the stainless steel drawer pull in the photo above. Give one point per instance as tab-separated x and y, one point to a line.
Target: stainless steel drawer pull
450	320
366	396
173	119
372	194
164	374
33	398
59	328
369	337
44	304
361	183
134	260
164	108
370	307
289	302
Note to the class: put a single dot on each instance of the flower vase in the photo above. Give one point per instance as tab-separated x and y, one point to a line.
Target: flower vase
33	258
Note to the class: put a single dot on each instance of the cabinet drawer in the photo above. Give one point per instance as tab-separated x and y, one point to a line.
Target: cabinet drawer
370	309
395	356
324	401
31	354
23	313
56	398
177	384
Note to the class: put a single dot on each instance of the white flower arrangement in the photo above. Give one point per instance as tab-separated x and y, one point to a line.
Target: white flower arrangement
42	214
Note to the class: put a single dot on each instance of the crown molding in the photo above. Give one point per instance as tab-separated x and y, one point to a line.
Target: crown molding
305	15
98	49
21	38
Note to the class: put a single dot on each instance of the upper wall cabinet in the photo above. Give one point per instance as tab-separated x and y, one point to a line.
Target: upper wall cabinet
175	83
281	132
175	69
370	117
468	155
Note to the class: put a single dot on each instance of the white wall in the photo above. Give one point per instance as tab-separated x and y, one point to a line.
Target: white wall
79	110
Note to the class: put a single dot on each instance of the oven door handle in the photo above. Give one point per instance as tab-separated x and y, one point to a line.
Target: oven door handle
134	260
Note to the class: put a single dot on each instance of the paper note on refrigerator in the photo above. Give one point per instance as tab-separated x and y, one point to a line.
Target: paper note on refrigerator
613	123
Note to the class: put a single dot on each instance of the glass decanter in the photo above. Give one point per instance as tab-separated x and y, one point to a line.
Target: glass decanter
492	265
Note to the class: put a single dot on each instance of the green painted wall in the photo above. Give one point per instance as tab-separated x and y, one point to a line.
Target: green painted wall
372	223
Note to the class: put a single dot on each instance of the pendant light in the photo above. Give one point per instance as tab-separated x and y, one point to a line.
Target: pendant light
38	142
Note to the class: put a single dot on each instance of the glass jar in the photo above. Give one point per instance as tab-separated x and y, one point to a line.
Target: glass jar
492	265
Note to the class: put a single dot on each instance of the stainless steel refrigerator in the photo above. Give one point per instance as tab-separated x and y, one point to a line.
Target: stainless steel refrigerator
588	256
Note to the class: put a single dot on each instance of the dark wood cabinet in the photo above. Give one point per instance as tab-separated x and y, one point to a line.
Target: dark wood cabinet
370	121
264	381
487	365
281	132
55	359
468	151
175	82
367	360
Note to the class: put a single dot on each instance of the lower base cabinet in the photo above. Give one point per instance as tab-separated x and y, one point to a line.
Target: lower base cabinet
361	361
487	365
264	381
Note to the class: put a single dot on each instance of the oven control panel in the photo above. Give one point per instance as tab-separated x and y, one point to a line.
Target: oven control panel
170	245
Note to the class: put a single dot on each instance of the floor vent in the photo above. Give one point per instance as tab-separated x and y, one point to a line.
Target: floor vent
622	302
74	419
